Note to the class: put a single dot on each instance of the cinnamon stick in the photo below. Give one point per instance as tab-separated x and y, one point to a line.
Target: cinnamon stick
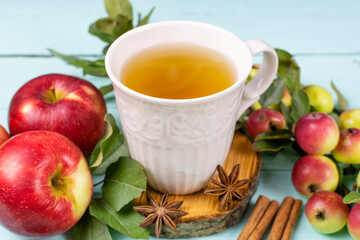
292	219
265	221
262	203
281	219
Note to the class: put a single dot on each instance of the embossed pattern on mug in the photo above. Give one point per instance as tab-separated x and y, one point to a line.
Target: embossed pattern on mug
175	144
178	71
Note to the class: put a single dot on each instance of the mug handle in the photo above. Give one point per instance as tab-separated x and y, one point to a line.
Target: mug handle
263	78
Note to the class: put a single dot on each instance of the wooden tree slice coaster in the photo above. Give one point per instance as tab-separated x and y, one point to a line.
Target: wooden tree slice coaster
204	218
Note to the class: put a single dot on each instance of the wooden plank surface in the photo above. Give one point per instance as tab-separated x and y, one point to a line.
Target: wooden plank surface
29	27
324	35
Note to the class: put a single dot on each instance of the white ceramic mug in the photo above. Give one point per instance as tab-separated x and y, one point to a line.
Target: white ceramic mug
180	142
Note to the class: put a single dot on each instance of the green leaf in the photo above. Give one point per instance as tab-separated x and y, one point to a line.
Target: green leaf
335	116
280	134
342	102
284	56
106	89
124	181
109	149
145	20
286	112
122	24
273	94
241	122
289	70
300	105
95	68
125	221
105	49
352	197
116	7
271	145
103	28
90	228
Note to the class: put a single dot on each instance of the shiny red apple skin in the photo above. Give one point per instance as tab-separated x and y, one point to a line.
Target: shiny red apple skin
348	149
265	120
4	135
317	133
311	174
326	212
30	165
78	114
353	223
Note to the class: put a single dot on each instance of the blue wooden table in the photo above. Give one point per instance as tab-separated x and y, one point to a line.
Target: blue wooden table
323	35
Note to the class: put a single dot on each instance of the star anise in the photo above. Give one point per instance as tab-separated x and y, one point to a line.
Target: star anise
160	213
229	187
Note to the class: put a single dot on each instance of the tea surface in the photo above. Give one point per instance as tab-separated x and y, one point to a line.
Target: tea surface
178	72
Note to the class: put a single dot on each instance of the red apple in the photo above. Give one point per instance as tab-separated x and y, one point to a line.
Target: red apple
4	135
68	105
317	133
348	149
45	184
265	120
326	212
353	223
311	174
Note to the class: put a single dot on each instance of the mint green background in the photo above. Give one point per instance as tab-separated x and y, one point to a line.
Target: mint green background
323	35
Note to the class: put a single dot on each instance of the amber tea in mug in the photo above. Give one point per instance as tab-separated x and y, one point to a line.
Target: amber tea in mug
189	81
178	71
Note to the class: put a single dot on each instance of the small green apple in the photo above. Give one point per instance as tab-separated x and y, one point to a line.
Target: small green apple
320	99
350	119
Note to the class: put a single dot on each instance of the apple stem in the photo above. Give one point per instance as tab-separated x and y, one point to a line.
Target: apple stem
345	190
53	95
315	115
354	187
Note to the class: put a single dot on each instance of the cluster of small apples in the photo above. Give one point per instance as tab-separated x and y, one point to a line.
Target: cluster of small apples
45	182
316	175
